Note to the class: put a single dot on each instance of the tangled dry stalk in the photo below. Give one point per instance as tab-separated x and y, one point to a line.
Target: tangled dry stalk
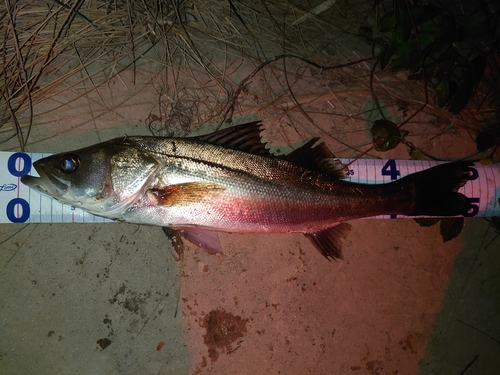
208	61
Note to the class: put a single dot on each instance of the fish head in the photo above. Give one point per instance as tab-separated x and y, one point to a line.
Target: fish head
103	179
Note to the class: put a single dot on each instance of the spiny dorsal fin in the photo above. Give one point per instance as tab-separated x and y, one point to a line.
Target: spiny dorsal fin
247	138
317	158
244	137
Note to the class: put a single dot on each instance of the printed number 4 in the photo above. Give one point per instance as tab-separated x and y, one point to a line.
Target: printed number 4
390	169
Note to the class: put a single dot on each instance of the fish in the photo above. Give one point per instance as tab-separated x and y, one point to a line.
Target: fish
229	181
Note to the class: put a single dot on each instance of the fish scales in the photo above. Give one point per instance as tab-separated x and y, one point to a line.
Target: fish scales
259	193
228	181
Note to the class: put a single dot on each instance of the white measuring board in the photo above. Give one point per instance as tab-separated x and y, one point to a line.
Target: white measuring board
20	204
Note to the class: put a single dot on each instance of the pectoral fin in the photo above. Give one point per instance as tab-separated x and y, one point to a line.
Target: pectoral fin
184	194
328	242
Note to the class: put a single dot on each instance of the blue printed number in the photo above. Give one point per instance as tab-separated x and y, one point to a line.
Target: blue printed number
11	164
18	204
12	207
390	169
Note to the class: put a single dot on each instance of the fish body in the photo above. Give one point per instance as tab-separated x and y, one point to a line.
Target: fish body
228	181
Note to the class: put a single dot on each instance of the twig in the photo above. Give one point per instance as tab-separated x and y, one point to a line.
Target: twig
241	86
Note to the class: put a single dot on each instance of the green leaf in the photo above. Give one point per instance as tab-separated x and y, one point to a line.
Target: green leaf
443	65
385	135
410	60
442	93
472	75
416	153
488	137
405	23
423	13
416	76
366	33
476	25
387	22
428	34
396	41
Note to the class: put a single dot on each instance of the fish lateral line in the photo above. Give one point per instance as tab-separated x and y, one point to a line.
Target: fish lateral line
250	191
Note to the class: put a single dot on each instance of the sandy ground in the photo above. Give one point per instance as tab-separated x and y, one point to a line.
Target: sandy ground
297	313
102	300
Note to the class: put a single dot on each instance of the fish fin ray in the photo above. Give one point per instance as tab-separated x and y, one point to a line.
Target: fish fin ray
435	190
244	137
185	193
317	157
328	241
207	240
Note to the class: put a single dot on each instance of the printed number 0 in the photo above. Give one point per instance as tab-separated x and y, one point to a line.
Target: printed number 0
11	209
13	204
11	164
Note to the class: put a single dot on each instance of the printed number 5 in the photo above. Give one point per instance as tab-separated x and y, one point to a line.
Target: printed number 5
472	172
472	207
472	203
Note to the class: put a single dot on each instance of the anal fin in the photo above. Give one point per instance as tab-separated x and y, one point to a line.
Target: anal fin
328	241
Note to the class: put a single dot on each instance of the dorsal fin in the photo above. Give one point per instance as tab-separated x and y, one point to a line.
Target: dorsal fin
244	137
317	158
247	138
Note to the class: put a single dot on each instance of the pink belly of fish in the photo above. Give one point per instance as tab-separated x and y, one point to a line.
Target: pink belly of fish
242	212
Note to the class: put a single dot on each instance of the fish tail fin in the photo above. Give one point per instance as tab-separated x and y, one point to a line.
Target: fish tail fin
435	190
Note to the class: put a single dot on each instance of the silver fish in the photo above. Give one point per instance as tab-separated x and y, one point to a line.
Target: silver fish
229	181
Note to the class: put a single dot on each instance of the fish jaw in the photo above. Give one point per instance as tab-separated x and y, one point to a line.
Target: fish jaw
47	183
62	189
104	179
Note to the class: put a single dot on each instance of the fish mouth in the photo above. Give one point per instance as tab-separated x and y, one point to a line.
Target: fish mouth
47	183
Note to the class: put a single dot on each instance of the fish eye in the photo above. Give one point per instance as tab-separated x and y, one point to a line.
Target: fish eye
69	163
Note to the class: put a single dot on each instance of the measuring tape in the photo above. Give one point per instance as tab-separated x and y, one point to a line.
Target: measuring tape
20	204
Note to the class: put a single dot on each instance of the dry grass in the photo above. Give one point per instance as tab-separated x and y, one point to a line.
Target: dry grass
208	61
